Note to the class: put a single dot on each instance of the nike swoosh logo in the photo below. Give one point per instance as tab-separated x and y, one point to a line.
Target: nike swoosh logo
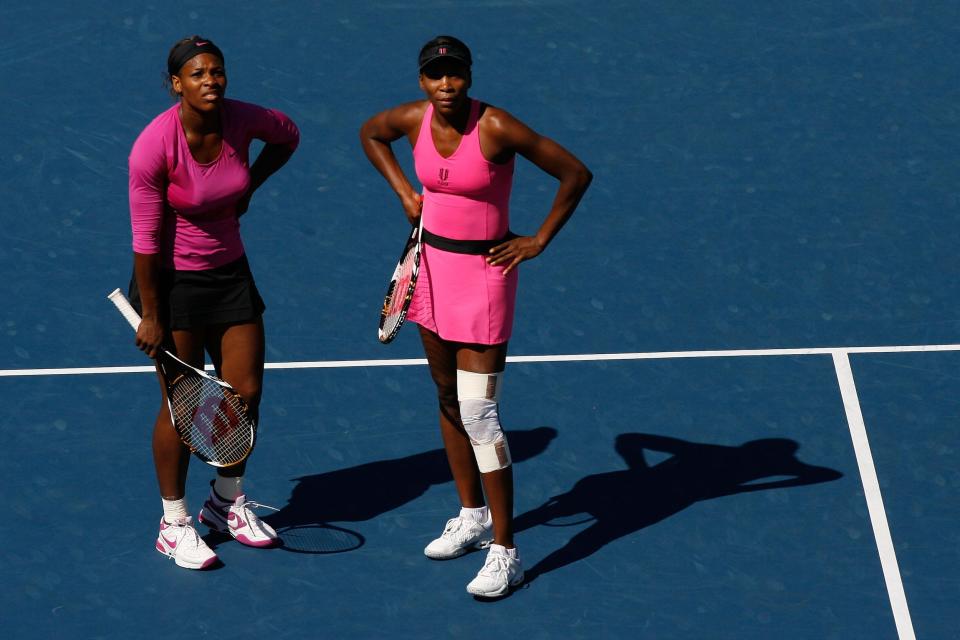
171	543
237	522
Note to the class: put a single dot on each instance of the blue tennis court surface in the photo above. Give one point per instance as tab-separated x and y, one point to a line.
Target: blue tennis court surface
775	195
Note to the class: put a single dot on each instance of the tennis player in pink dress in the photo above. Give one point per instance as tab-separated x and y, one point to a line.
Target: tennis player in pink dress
464	152
190	181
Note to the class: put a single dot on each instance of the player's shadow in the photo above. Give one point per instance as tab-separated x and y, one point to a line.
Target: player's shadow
363	492
618	503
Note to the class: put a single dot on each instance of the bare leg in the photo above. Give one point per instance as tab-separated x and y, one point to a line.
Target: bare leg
171	458
498	485
442	358
238	351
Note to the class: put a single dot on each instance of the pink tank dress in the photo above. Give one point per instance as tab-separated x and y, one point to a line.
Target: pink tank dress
465	197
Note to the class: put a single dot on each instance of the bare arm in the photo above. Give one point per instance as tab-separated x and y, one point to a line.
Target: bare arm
150	334
281	137
377	135
506	135
268	162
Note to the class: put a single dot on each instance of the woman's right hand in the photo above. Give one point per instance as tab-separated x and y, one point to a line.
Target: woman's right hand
150	336
413	207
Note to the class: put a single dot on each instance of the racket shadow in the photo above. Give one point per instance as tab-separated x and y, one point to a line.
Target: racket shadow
319	538
363	492
314	538
617	503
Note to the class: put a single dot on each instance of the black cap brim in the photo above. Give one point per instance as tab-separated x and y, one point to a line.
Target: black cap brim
444	51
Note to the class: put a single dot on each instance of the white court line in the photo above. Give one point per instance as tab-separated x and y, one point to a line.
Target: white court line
871	489
585	357
851	403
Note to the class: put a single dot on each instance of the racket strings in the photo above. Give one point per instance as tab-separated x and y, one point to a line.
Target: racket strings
400	292
211	420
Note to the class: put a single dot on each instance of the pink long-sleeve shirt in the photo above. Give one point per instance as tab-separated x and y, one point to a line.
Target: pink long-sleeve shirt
185	210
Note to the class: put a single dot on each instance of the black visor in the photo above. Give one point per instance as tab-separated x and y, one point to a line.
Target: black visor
452	51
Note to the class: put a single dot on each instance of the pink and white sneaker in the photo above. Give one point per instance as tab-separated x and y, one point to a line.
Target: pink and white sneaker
181	543
239	520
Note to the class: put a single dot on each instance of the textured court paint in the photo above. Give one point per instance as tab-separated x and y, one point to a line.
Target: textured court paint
871	488
911	404
762	182
767	175
693	541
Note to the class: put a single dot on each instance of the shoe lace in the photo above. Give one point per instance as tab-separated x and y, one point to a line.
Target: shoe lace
495	565
458	529
251	504
248	506
186	533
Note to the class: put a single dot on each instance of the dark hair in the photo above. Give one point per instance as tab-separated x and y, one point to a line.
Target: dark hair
184	50
444	47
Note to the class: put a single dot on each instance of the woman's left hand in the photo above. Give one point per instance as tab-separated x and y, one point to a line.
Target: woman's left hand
513	252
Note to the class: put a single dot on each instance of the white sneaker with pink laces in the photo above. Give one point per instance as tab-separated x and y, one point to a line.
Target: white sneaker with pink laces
239	520
181	543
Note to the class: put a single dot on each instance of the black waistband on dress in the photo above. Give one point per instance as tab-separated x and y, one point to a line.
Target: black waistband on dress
471	247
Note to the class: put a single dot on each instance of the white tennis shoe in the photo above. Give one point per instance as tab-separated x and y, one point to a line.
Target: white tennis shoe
459	536
500	573
181	543
239	520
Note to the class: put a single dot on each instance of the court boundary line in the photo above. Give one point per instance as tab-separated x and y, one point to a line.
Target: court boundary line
873	497
586	357
848	392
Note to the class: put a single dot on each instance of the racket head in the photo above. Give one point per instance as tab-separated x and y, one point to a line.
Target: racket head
208	414
212	419
400	290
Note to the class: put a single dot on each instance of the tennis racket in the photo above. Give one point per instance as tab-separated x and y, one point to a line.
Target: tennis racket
208	415
400	290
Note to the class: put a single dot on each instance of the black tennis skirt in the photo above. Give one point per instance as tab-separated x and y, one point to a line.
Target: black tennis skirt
222	295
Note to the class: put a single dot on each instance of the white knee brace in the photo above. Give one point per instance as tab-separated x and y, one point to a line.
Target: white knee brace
478	394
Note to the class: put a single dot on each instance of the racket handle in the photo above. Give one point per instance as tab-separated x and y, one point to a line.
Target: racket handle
123	305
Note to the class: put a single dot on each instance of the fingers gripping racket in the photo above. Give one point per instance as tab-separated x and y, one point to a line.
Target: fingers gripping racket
400	290
208	415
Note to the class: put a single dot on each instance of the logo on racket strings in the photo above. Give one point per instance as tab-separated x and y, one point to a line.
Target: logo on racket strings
213	421
400	295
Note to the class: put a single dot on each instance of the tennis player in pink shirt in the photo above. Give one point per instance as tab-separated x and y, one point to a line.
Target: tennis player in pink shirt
190	181
464	152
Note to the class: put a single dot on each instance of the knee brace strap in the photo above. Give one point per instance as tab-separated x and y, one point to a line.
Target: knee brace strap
478	394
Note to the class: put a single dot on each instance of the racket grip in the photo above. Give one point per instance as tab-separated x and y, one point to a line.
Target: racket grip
123	306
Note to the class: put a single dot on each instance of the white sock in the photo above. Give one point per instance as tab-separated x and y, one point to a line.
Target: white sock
480	514
228	488
502	550
174	510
